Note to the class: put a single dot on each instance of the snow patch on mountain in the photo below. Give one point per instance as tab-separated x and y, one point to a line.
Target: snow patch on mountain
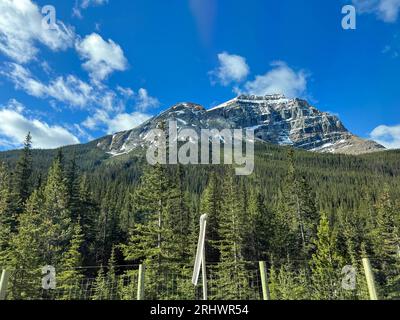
274	118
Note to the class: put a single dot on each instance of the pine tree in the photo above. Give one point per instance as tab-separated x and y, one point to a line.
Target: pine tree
28	249
297	214
354	230
106	286
231	270
69	280
386	241
260	230
6	218
326	263
73	187
87	211
23	176
180	245
152	239
55	208
112	278
393	281
108	228
211	201
286	284
100	291
178	220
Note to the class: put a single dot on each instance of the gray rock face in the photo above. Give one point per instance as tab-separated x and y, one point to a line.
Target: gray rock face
274	118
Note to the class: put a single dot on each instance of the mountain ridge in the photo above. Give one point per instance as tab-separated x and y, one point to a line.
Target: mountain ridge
274	118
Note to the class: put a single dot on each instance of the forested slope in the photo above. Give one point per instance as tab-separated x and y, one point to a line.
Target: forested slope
306	214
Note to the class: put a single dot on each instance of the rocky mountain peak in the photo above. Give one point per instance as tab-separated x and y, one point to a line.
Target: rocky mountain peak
187	106
274	118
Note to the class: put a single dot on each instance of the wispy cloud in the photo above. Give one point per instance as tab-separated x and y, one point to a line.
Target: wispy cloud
143	101
14	126
107	107
21	31
84	4
69	90
385	10
388	136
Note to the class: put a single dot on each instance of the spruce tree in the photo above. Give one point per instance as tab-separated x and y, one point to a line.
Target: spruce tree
112	282
107	228
88	211
107	286
386	240
232	277
326	263
29	247
100	291
260	230
6	217
73	188
297	214
210	204
152	238
70	277
289	283
178	219
23	176
55	207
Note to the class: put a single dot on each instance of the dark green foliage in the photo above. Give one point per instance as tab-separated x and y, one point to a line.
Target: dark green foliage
72	207
6	218
23	176
326	263
233	225
70	278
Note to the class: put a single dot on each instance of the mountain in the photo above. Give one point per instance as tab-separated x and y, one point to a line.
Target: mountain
275	119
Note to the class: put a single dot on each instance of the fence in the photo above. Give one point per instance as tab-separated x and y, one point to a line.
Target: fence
172	282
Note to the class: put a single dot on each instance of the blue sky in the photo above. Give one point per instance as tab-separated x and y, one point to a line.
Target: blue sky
106	66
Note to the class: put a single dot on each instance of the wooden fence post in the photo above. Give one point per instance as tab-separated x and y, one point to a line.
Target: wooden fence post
5	276
140	290
264	281
370	279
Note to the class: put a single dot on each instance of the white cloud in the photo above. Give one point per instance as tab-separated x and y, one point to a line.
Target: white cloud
21	30
84	4
144	101
114	118
388	136
14	126
103	57
386	10
87	3
115	123
126	92
281	79
232	68
107	107
69	90
126	121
